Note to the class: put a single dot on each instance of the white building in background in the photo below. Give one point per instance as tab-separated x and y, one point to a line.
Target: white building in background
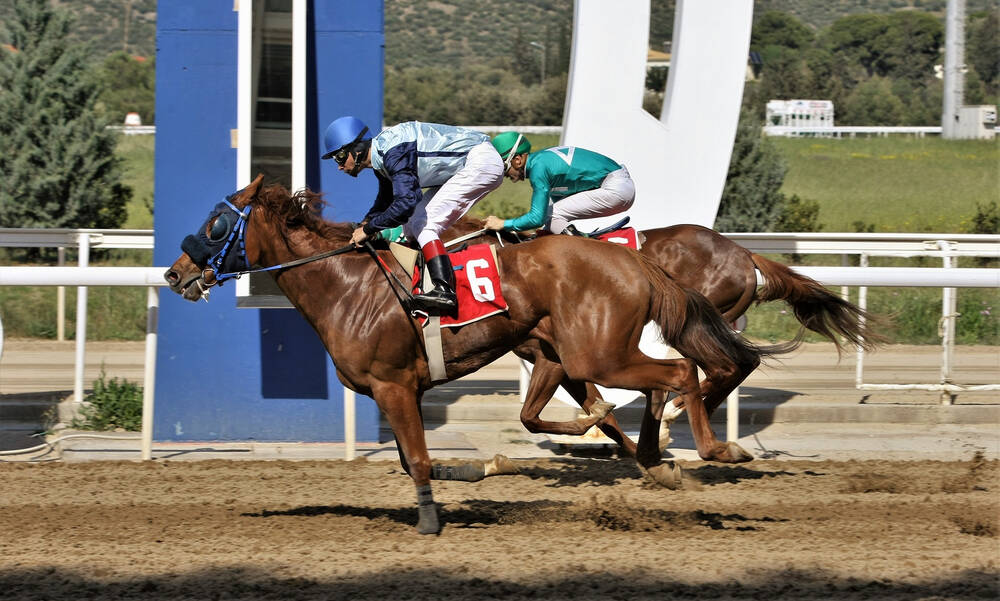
800	113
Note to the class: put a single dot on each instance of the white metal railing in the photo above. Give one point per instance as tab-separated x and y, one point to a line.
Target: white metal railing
150	277
947	247
836	131
883	245
839	131
134	130
63	238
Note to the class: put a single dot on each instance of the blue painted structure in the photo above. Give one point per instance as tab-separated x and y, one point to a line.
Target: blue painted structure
250	374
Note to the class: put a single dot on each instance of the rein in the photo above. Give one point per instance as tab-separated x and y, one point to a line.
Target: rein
330	253
237	237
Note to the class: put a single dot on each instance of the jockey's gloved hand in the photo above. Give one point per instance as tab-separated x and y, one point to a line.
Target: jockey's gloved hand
393	234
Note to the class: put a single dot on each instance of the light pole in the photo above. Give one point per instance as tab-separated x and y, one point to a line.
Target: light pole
544	56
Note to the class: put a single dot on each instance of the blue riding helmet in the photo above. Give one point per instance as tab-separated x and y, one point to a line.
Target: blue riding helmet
343	132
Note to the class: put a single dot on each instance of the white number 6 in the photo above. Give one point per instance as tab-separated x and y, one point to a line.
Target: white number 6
482	288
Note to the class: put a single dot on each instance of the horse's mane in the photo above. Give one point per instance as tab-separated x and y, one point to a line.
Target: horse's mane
304	209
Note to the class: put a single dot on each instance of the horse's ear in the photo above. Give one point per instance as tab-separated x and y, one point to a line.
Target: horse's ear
251	191
248	194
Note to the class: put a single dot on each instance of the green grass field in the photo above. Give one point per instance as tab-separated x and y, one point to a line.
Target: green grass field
896	184
137	161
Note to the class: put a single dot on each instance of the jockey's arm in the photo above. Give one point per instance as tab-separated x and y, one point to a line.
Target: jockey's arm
382	200
540	209
401	171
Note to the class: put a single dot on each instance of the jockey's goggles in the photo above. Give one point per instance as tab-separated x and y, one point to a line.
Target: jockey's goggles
340	156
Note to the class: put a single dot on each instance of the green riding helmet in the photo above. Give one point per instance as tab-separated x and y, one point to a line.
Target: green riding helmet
510	144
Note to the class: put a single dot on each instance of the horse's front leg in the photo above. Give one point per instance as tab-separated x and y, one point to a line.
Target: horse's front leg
401	410
648	453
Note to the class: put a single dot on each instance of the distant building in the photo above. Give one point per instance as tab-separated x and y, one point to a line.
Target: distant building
133	119
800	113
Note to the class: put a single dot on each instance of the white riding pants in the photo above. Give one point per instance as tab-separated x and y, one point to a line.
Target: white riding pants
616	194
445	204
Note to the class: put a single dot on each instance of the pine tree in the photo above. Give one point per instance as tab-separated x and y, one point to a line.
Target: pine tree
58	168
751	200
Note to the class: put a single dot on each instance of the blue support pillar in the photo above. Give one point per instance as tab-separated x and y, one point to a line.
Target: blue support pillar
248	374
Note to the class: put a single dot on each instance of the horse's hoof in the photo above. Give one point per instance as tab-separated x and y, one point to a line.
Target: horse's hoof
667	475
429	523
737	453
500	465
601	409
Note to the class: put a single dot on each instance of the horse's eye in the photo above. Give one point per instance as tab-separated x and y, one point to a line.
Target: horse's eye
220	228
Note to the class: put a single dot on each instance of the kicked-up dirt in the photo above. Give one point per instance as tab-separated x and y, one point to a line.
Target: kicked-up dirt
562	529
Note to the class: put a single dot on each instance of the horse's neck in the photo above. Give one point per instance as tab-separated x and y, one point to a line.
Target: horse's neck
277	248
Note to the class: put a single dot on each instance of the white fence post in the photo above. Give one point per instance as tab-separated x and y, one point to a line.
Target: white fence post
947	326
859	368
149	374
61	301
81	323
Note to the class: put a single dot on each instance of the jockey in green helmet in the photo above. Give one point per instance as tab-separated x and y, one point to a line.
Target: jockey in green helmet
567	183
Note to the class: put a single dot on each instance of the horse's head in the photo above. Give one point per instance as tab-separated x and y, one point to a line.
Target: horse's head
217	249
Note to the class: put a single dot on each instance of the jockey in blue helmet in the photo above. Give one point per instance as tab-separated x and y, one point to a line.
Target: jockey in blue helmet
429	176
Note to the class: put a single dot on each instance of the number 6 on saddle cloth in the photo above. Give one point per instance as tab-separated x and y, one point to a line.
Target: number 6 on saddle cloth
477	284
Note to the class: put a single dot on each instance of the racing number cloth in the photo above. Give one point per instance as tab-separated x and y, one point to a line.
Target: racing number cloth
626	237
477	284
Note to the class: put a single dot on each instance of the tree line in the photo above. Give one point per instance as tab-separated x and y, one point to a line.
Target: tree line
878	69
55	102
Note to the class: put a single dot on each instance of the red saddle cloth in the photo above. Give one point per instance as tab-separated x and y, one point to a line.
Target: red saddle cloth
477	284
625	236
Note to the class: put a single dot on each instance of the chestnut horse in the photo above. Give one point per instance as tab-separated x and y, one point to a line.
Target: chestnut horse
582	304
704	260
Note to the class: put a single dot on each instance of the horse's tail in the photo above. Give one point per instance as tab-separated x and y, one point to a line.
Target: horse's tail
817	308
692	325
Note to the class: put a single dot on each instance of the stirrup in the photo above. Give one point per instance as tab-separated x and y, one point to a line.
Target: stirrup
436	301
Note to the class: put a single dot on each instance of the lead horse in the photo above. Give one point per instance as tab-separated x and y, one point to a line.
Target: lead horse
581	304
724	272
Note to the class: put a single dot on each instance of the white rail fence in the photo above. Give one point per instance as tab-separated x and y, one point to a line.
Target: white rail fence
945	246
836	131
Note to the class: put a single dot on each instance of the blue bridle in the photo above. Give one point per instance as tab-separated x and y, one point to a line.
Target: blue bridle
217	254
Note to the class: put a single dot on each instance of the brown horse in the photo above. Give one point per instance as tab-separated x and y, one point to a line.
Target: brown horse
704	260
582	304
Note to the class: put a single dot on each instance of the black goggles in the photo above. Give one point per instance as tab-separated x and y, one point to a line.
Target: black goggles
341	155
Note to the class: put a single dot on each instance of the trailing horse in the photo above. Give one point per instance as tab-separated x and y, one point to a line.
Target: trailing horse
582	303
724	272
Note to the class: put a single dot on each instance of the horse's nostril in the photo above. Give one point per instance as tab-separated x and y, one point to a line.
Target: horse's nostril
171	276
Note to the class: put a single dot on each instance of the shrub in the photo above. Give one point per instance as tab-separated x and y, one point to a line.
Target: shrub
112	404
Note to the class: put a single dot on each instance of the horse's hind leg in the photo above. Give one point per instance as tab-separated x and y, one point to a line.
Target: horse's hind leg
545	379
716	386
640	372
587	395
401	410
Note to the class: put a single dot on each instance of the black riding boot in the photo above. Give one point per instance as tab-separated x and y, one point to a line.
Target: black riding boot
442	298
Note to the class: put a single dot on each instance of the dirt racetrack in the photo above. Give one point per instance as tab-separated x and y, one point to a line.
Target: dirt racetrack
576	529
